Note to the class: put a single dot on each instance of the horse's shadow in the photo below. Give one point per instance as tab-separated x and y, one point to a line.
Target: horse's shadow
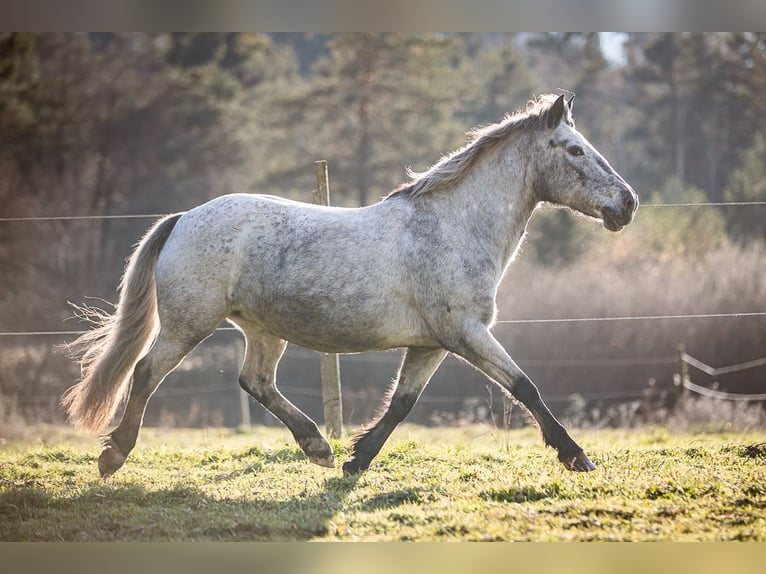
129	511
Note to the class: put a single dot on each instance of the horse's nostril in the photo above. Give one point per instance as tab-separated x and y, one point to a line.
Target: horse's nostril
630	202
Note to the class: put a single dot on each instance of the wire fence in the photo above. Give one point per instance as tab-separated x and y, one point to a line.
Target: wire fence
159	215
714	393
74	333
71	333
721	395
297	353
393	359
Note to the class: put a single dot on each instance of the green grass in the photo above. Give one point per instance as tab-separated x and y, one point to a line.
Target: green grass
473	483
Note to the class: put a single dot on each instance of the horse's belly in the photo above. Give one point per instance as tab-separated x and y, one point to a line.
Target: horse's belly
337	327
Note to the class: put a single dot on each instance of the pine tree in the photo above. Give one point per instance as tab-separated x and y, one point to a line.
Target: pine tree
111	123
748	183
697	97
375	104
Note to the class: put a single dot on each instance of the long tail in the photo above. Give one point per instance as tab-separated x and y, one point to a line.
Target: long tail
108	353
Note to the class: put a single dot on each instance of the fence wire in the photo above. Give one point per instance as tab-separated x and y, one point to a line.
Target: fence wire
711	393
722	395
715	372
159	215
503	322
74	333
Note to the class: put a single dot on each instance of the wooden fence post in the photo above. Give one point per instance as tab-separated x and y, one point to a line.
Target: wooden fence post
683	370
244	398
330	364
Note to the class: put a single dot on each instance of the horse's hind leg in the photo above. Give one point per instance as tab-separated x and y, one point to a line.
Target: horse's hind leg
417	368
163	357
258	379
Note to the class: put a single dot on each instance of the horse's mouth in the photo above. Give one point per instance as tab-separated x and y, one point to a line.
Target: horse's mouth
614	221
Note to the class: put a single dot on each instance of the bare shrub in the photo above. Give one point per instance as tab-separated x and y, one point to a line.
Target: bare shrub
11	421
702	414
625	275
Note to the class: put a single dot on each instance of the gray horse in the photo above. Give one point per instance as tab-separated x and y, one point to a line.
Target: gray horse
418	270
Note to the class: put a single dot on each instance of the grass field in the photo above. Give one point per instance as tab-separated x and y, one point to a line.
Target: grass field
473	483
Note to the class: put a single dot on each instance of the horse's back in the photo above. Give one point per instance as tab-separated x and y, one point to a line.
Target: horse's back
318	276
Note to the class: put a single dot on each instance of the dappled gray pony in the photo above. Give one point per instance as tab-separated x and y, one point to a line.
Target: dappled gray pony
419	270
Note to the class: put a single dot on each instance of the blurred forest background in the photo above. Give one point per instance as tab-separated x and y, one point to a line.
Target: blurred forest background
115	124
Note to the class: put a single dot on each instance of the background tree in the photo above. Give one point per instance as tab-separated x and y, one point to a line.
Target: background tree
496	78
374	101
696	95
748	183
105	123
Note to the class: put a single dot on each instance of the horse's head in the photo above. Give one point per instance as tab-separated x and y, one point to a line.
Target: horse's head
571	172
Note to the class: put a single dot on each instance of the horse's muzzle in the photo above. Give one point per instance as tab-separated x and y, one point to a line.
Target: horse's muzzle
615	218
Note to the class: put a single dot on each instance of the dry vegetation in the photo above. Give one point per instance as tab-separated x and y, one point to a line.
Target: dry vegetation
650	269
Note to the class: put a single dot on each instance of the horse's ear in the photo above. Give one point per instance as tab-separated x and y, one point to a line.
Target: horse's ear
556	112
570	103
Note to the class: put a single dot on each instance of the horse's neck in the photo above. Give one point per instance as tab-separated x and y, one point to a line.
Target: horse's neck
495	203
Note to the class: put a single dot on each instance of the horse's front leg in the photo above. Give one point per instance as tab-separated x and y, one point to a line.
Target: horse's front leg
479	347
416	370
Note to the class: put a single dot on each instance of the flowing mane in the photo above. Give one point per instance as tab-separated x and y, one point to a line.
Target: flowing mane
452	168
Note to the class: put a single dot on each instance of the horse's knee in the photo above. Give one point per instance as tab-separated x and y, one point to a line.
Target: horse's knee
259	387
400	406
142	374
245	386
525	391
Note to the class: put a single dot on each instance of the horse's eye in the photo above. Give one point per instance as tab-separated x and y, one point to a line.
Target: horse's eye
575	150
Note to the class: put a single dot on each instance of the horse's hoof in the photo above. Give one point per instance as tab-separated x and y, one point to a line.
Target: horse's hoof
319	451
110	461
325	461
578	463
353	467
